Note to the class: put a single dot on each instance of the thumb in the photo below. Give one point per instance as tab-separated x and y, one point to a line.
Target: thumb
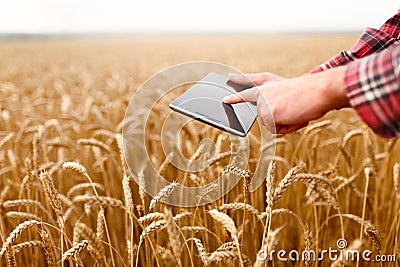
248	95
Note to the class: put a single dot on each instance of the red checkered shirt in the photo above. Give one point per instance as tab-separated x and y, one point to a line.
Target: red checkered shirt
372	77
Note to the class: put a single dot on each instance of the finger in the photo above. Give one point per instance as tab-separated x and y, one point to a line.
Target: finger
246	79
284	129
248	95
254	79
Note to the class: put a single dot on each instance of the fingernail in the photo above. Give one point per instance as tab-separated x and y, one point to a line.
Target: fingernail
231	75
225	99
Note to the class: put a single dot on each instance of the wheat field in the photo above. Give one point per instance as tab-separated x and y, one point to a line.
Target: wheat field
67	199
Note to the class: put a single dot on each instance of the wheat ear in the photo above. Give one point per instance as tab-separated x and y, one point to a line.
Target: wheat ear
369	229
96	143
82	230
396	179
128	196
11	261
238	206
75	250
100	226
16	233
227	255
285	183
52	195
173	233
201	250
48	248
151	217
229	225
163	194
155	225
226	222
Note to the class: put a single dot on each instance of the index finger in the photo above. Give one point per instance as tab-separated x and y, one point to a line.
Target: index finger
244	79
248	95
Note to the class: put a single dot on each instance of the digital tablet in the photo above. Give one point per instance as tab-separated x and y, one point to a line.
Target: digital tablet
203	102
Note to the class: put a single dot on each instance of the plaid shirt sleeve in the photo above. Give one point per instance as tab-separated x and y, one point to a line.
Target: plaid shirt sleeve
371	41
373	89
372	77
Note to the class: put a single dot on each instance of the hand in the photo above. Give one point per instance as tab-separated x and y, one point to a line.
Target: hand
286	105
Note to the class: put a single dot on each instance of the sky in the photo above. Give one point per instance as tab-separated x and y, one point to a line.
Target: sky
150	16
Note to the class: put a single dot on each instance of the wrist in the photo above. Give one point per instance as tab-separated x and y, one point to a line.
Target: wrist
333	90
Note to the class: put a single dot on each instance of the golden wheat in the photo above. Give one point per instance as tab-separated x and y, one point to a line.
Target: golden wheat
62	118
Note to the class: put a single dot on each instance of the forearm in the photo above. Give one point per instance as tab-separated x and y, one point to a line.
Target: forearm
331	88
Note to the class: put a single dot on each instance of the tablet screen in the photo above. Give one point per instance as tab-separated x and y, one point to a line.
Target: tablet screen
203	101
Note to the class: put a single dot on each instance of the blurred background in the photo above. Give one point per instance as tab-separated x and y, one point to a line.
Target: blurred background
177	16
